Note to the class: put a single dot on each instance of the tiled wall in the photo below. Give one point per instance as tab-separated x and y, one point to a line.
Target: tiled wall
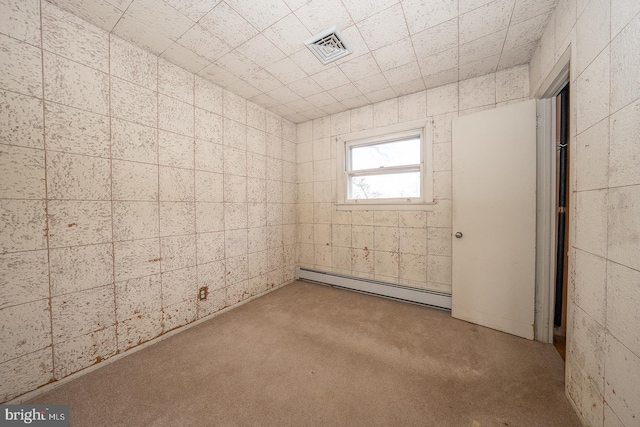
411	247
603	360
126	183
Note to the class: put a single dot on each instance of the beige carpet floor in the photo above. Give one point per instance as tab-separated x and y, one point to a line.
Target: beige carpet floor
311	355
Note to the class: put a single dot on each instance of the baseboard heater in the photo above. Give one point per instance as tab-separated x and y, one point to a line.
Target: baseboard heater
389	290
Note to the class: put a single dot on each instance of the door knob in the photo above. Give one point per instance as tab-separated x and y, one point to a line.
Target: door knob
458	234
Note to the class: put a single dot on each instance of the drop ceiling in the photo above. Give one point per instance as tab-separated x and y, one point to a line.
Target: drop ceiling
255	48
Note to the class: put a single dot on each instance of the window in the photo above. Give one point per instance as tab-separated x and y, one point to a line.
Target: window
386	168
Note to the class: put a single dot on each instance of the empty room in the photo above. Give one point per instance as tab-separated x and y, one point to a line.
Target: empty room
320	212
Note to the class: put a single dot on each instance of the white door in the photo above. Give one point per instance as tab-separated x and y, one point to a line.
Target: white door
494	208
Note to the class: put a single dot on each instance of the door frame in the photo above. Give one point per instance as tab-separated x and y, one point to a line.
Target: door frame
546	225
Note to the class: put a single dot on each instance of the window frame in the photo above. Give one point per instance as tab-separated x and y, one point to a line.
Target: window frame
391	133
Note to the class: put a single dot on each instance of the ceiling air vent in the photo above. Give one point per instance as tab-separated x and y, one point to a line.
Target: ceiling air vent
329	45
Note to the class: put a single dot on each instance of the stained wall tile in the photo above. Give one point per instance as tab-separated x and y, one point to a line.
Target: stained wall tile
83	351
83	312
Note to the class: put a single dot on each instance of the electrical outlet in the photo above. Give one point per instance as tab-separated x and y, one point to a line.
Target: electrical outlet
202	293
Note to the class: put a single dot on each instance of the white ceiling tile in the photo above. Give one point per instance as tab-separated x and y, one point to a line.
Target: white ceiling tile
403	74
468	5
283	95
372	84
360	10
483	47
356	102
263	14
314	113
439	62
218	75
437	39
193	9
441	78
160	16
360	67
184	58
237	64
199	40
263	80
243	89
479	68
321	99
354	38
336	107
407	88
343	92
308	62
485	20
228	25
381	95
526	32
305	87
288	34
261	51
384	27
299	104
295	4
220	40
282	110
518	56
423	14
297	118
286	71
265	100
99	12
120	4
142	36
526	9
395	54
330	78
318	15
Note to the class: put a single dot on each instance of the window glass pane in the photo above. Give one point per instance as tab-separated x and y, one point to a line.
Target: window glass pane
396	153
385	186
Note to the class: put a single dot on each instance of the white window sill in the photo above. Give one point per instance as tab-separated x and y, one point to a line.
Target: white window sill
385	206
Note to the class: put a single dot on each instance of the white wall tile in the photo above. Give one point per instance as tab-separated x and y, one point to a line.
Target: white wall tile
25	328
73	223
135	220
74	177
21	120
137	258
624	221
76	131
74	38
624	151
23	72
21	173
80	268
625	87
21	20
25	277
133	64
133	102
70	83
82	312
